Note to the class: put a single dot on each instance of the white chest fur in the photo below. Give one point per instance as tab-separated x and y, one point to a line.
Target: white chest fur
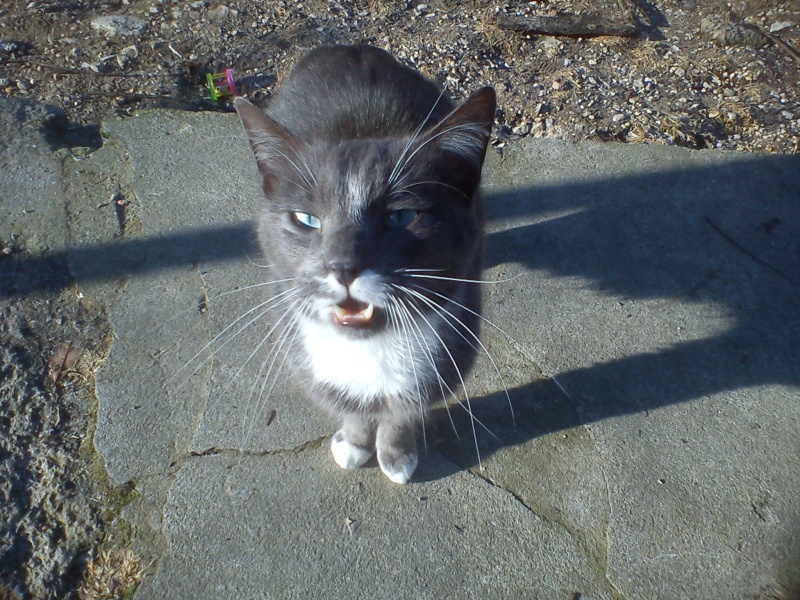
384	365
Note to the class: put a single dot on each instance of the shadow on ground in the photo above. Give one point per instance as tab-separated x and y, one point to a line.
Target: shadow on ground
711	236
708	236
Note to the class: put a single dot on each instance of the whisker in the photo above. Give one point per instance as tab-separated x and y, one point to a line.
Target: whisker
413	138
420	402
446	314
280	297
255	264
459	127
460	377
404	189
273	148
274	353
444	278
308	168
429	355
258	347
409	270
207	300
452	393
508	336
251	287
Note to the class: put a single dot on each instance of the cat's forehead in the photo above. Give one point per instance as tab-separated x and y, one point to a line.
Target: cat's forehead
355	175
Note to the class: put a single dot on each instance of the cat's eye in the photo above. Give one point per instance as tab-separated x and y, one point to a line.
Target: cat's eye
397	219
306	220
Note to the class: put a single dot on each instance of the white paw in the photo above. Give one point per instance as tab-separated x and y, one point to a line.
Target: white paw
399	472
346	454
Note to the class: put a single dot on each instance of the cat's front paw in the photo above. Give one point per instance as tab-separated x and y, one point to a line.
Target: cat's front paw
347	455
397	466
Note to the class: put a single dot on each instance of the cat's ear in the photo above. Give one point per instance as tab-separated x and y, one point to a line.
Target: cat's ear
465	131
276	150
456	146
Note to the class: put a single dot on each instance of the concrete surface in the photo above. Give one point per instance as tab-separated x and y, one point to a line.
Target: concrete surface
654	374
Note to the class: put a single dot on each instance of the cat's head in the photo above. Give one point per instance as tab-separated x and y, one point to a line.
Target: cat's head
363	224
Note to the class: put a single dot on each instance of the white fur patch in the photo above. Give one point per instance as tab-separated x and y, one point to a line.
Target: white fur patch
368	368
401	475
346	454
389	363
357	191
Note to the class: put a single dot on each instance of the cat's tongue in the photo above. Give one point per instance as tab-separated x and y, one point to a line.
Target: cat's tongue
352	313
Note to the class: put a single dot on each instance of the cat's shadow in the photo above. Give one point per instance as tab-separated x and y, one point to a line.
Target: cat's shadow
725	236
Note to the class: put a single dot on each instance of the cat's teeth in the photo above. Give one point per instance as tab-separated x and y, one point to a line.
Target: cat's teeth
346	317
367	313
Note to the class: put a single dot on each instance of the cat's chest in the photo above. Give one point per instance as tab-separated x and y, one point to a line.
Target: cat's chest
367	369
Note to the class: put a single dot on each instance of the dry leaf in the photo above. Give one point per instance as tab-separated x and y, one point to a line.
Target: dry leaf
63	359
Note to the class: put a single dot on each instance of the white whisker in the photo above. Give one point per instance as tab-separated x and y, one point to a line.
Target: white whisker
266	148
508	336
460	127
472	417
420	402
444	278
258	347
255	264
268	376
280	299
405	189
205	302
446	315
250	287
425	346
396	170
408	270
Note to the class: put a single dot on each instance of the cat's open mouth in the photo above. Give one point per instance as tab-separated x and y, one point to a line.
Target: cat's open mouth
352	313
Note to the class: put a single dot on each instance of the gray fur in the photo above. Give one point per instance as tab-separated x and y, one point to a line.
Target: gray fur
391	169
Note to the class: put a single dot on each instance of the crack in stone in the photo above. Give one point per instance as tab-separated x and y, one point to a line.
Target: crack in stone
605	560
215	450
571	532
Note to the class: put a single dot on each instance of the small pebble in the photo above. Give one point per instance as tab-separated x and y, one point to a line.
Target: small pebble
119	25
522	129
780	26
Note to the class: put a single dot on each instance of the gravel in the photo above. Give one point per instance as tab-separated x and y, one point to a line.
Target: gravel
700	73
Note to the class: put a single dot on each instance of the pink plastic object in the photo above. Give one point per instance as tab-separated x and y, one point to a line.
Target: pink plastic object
221	85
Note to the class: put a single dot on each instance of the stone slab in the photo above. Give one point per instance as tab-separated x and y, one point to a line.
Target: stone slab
645	326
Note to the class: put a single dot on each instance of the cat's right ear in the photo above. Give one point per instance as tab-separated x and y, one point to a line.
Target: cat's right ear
276	150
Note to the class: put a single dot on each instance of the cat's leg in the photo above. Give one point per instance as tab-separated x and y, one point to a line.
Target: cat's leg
354	443
396	443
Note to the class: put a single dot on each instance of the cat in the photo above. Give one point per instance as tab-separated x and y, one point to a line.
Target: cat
372	220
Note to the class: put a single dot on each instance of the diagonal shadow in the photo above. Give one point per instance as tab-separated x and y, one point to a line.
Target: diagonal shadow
725	235
22	276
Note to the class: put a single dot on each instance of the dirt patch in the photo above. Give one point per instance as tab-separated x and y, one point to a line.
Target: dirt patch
698	73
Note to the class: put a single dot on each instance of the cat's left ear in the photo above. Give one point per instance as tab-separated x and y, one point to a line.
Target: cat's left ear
456	146
465	131
274	147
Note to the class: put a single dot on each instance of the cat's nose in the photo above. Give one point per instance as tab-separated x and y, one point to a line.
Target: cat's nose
345	271
344	252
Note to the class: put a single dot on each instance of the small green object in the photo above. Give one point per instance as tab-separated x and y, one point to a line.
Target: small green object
221	85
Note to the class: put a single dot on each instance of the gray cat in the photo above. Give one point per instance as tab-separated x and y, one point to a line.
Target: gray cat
373	218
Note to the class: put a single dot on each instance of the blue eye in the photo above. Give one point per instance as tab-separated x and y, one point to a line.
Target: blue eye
306	220
397	219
